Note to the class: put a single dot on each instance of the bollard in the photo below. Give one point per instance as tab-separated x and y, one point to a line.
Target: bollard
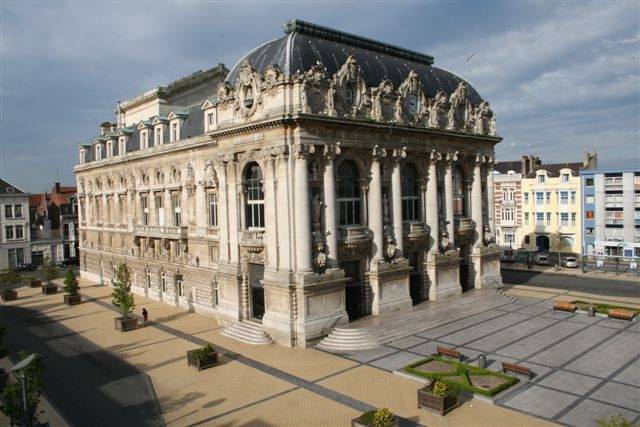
482	361
591	312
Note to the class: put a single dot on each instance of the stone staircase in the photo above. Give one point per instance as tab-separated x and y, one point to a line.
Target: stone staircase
247	331
372	332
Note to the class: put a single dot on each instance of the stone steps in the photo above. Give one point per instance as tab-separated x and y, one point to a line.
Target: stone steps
248	332
373	332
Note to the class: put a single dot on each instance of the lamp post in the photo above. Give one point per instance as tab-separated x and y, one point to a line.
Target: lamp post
19	368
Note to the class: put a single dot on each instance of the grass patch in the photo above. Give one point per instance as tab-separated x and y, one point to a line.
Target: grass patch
462	371
601	307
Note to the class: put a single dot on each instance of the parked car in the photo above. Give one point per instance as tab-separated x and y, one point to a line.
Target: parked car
570	262
67	262
541	259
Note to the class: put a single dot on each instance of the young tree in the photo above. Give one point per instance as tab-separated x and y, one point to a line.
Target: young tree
12	405
9	279
70	283
122	295
49	270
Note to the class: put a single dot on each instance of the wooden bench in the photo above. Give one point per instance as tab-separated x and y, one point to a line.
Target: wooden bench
621	313
443	351
518	369
564	306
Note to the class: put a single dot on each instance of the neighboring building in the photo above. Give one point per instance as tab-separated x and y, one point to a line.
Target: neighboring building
538	206
14	226
611	212
297	194
507	181
54	224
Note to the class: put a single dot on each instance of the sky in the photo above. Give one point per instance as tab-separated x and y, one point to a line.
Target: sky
562	78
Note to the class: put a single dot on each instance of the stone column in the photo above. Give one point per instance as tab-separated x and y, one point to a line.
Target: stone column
285	235
448	196
168	209
223	210
476	200
432	202
271	229
302	211
491	210
116	209
330	206
202	211
138	208
234	212
375	205
396	198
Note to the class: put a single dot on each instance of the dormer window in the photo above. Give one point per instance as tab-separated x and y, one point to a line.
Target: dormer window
122	146
565	177
542	177
144	140
174	131
109	149
158	138
82	156
98	152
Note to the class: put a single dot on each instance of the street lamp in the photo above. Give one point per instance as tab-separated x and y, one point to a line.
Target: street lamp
19	367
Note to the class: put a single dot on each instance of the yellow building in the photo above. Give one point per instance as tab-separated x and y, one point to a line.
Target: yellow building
551	203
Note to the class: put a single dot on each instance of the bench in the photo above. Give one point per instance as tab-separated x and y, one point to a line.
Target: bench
518	369
564	306
443	351
621	313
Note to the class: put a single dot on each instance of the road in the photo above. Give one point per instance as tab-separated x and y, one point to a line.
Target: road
599	286
86	384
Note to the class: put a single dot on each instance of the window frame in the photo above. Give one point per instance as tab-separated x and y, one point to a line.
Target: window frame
409	193
348	194
254	197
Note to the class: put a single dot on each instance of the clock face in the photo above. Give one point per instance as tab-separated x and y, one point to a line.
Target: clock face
412	104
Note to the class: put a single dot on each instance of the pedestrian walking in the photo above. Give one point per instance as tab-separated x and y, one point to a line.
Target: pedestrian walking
145	315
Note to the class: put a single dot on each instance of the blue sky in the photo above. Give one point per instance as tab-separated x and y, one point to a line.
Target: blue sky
562	77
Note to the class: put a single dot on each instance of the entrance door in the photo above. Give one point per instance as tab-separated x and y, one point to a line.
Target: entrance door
464	267
415	279
542	244
256	274
353	290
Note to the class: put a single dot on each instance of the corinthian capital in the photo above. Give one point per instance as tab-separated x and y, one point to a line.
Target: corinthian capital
378	153
303	150
332	151
399	154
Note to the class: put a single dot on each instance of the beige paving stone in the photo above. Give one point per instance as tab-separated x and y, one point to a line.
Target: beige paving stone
382	389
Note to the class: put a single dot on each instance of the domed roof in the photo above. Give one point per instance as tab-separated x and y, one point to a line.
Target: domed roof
307	44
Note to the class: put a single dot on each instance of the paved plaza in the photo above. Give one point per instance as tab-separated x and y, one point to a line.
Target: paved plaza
585	368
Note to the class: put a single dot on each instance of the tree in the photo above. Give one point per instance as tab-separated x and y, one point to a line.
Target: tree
12	395
556	244
70	283
49	270
9	278
122	295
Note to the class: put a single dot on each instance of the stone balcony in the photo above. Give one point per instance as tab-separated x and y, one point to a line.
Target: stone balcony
253	240
464	229
161	231
354	234
415	231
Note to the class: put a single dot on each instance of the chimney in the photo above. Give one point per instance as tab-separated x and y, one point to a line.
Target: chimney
590	160
533	161
524	164
57	187
105	127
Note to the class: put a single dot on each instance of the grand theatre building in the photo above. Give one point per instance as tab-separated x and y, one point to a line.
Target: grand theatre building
326	177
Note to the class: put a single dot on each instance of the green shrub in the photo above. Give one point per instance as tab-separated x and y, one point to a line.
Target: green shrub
49	270
122	295
615	421
462	370
205	352
70	283
9	278
382	417
12	393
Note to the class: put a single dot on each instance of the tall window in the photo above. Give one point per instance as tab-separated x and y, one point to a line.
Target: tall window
573	197
459	196
539	198
507	215
539	218
526	218
148	281
564	219
177	213
573	219
143	140
145	209
255	197
410	197
159	209
548	197
158	136
179	285
122	148
163	281
564	197
348	193
8	211
98	152
174	132
548	218
8	233
526	197
15	257
213	210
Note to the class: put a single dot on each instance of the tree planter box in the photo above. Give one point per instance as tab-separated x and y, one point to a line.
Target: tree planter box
50	288
35	283
439	404
362	421
9	295
72	299
195	361
125	325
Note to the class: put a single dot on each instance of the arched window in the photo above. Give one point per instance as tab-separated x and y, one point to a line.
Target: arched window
410	195
254	205
459	196
348	194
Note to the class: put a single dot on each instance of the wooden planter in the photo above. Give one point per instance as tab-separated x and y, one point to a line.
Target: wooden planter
72	299
50	288
9	295
126	324
195	361
362	422
439	404
37	283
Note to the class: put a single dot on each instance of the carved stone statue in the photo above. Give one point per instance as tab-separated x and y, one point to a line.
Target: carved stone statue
391	246
209	174
330	99
316	210
445	242
458	107
484	118
398	114
439	108
488	236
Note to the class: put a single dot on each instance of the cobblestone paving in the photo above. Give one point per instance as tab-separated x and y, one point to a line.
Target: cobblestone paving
585	368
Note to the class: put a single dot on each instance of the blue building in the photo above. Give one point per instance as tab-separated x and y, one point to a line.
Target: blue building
611	212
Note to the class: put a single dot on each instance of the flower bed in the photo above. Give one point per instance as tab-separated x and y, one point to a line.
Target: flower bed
462	375
600	307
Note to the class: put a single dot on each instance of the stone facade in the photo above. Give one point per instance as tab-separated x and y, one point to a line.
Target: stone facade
310	198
